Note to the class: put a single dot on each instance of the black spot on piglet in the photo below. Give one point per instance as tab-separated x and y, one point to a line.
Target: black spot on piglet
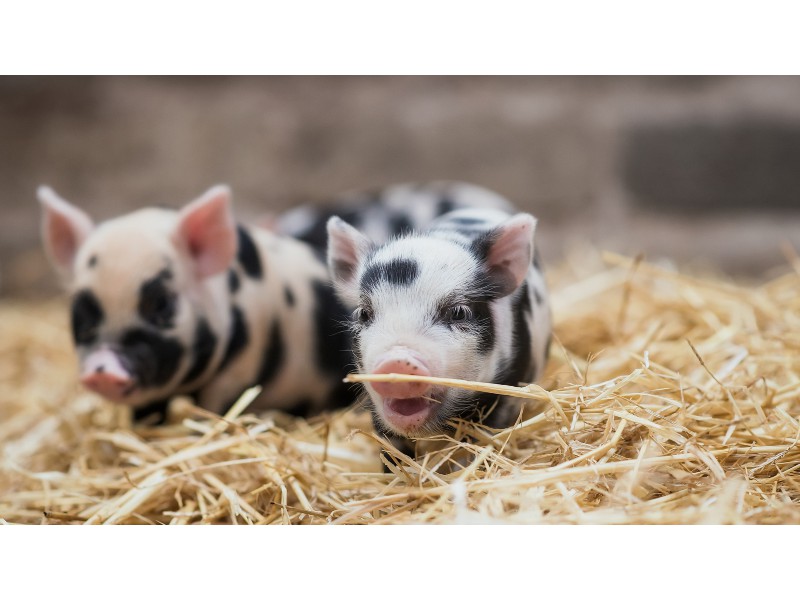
523	366
239	337
233	281
205	342
87	316
467	221
157	303
289	295
274	355
397	272
152	357
247	255
484	326
400	224
446	204
333	339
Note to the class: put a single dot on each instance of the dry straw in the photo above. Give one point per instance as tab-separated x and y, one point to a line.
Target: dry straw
668	399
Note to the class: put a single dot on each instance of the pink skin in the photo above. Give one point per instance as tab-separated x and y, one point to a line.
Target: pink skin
403	402
104	374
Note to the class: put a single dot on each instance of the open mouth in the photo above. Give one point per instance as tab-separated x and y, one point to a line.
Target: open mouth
408	414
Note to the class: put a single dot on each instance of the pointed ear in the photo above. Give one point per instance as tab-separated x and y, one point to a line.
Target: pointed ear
64	229
508	252
206	228
347	248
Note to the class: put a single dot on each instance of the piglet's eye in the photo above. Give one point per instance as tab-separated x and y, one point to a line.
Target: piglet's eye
363	315
458	313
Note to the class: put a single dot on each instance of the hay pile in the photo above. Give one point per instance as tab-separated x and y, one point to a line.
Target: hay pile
673	400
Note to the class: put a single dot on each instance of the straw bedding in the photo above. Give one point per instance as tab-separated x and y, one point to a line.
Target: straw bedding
668	399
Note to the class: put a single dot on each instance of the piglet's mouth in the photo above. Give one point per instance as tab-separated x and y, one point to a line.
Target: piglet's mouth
407	406
408	414
113	389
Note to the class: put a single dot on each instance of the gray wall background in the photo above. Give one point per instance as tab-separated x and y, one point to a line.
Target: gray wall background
703	170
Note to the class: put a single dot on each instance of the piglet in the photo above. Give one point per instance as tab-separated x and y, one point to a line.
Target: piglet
385	212
464	299
167	302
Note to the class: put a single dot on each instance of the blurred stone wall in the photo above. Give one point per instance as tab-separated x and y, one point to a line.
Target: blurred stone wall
702	170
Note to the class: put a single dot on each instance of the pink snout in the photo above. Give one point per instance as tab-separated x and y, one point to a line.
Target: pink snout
104	374
402	364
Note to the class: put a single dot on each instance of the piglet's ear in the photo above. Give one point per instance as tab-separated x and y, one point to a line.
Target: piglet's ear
347	248
508	251
64	229
207	229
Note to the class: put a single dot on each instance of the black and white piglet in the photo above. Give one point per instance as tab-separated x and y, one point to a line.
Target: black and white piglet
465	299
169	302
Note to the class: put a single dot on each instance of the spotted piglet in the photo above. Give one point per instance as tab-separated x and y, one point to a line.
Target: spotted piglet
464	299
169	302
389	211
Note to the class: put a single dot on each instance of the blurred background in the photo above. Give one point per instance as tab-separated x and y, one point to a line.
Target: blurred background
704	171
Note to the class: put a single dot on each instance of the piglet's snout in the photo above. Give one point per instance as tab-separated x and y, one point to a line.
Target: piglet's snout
104	373
402	363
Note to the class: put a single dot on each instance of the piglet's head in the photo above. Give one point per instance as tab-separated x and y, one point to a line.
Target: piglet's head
140	289
433	306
